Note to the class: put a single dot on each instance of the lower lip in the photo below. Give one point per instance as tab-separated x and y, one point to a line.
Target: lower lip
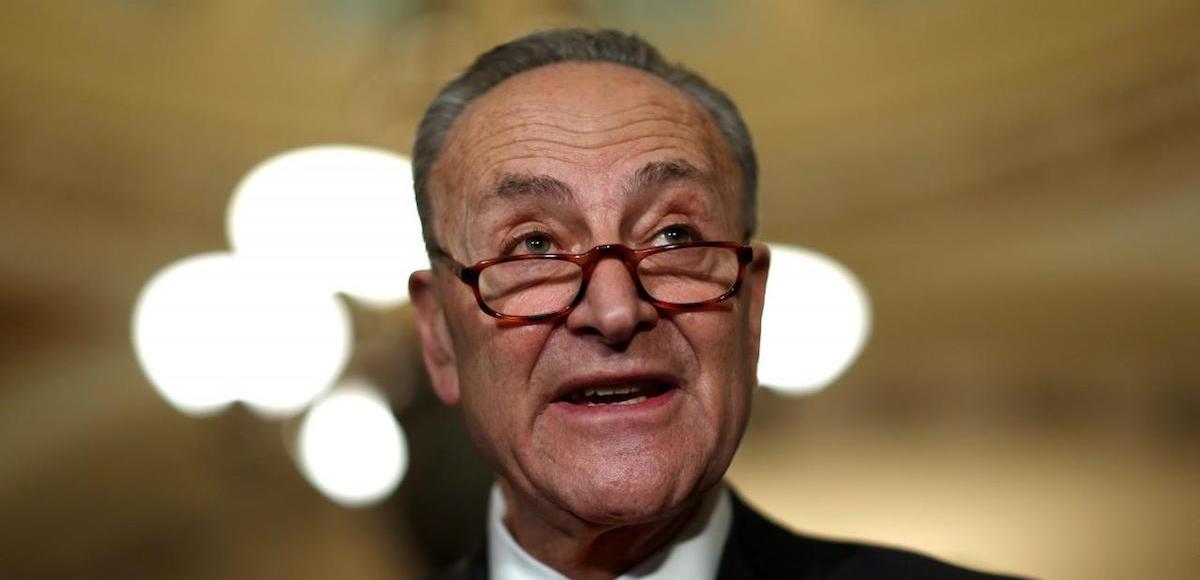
650	406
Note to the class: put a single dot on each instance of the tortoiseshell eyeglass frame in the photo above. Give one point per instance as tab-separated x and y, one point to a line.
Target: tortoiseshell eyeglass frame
587	262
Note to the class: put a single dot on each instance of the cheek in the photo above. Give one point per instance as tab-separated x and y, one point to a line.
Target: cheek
494	363
496	353
725	362
720	342
493	367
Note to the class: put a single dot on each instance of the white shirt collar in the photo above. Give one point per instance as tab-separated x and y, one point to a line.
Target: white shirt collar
694	553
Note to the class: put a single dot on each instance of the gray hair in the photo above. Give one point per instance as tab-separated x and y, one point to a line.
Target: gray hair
573	44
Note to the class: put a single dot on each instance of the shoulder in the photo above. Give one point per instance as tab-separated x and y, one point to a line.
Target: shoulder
759	548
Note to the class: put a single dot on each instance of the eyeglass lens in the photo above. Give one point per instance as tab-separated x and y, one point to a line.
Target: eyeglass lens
542	286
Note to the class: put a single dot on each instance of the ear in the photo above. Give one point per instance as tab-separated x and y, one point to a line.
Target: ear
756	292
437	347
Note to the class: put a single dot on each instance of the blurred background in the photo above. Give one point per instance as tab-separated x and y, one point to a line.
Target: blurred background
1015	183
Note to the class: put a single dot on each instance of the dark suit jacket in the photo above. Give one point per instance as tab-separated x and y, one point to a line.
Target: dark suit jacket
759	549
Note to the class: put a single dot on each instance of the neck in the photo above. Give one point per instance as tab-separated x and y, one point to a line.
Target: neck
579	549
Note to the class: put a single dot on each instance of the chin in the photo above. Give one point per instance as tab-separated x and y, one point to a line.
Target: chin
627	492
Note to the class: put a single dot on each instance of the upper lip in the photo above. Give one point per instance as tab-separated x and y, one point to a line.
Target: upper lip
610	379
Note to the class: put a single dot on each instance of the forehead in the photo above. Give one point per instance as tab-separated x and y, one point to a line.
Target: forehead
587	124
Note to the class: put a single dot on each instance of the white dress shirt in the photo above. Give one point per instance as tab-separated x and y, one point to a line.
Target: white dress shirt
695	552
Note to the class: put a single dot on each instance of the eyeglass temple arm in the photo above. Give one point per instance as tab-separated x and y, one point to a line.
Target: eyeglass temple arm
463	272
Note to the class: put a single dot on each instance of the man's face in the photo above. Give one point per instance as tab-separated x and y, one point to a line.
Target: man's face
560	159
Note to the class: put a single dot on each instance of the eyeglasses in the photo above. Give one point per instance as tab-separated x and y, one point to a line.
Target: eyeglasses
543	287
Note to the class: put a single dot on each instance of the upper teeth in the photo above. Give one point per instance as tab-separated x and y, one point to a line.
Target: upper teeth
590	392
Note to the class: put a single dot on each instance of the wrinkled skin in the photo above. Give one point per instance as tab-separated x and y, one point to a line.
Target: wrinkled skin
590	494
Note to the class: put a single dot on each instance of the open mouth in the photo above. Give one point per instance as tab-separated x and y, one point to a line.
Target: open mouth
631	394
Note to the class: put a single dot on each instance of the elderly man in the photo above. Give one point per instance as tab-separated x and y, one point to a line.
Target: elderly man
594	306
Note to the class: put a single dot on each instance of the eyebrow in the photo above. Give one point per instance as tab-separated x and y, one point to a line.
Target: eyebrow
656	174
512	186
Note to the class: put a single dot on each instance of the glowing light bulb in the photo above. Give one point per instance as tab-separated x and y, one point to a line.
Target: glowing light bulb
815	321
351	448
212	329
338	217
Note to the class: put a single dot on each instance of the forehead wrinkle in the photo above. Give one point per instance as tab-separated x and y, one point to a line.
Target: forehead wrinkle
690	160
543	138
681	143
574	128
580	124
562	118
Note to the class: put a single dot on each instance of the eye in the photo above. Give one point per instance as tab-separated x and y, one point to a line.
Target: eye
676	234
530	243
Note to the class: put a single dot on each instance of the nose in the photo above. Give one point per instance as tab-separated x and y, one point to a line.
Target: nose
611	308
